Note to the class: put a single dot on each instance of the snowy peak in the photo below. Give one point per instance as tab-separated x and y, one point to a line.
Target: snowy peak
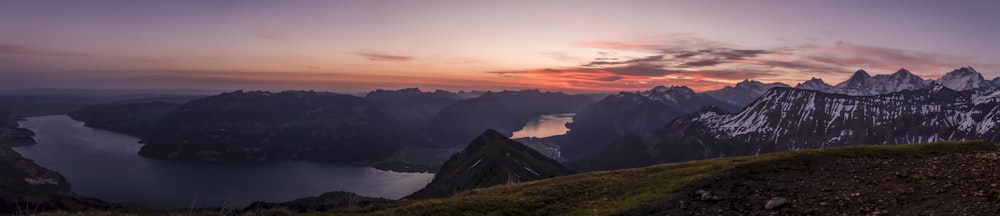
965	78
900	81
757	86
671	90
669	95
902	72
744	92
792	119
814	84
861	83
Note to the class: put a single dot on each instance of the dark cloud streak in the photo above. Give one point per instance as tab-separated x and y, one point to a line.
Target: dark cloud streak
384	57
19	50
610	61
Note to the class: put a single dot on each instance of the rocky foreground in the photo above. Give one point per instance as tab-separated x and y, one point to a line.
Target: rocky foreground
966	183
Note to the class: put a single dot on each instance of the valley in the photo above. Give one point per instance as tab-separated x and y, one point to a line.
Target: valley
495	108
307	151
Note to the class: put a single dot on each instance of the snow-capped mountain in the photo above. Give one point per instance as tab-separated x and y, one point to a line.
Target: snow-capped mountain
788	119
744	92
814	84
863	84
681	97
602	122
966	78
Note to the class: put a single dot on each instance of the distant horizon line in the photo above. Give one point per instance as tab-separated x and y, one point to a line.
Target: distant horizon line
197	91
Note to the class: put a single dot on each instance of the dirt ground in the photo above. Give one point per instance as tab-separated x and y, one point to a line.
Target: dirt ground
936	184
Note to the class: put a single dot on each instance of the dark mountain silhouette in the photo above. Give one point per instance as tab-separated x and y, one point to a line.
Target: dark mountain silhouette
139	119
491	159
602	122
290	125
411	103
505	111
19	106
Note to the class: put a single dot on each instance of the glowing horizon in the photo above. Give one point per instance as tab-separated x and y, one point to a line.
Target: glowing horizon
573	46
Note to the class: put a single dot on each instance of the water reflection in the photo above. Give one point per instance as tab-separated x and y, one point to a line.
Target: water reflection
545	126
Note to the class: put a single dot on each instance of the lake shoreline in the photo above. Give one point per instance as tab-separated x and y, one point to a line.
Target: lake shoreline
282	181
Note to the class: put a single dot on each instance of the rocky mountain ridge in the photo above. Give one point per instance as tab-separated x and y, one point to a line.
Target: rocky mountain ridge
490	159
604	121
790	119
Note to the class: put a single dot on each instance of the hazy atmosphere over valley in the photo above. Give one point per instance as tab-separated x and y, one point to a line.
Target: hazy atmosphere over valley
447	107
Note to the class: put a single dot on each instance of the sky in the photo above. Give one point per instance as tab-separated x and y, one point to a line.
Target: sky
573	46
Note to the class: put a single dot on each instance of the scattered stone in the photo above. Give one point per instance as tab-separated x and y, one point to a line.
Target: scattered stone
707	196
775	203
945	184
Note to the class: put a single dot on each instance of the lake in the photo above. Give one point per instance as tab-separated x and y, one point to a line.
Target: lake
545	126
105	165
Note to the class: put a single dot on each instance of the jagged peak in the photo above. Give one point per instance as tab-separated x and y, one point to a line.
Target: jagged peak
860	74
754	84
813	83
962	71
663	89
748	82
398	91
490	133
903	71
486	139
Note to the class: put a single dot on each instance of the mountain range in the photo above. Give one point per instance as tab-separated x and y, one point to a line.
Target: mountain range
604	121
861	83
743	92
411	103
790	119
505	112
624	130
599	124
264	126
436	119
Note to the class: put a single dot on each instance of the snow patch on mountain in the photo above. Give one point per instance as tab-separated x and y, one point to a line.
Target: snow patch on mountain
782	115
743	92
965	78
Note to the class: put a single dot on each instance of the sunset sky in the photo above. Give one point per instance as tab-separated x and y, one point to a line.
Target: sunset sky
575	46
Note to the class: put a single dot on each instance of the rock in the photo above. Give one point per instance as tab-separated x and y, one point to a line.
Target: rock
707	196
775	203
703	193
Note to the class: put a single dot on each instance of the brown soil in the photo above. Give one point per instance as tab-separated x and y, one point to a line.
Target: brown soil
935	184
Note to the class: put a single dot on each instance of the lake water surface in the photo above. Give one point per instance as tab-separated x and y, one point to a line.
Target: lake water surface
545	126
105	165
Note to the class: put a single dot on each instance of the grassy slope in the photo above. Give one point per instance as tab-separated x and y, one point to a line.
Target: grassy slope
613	192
